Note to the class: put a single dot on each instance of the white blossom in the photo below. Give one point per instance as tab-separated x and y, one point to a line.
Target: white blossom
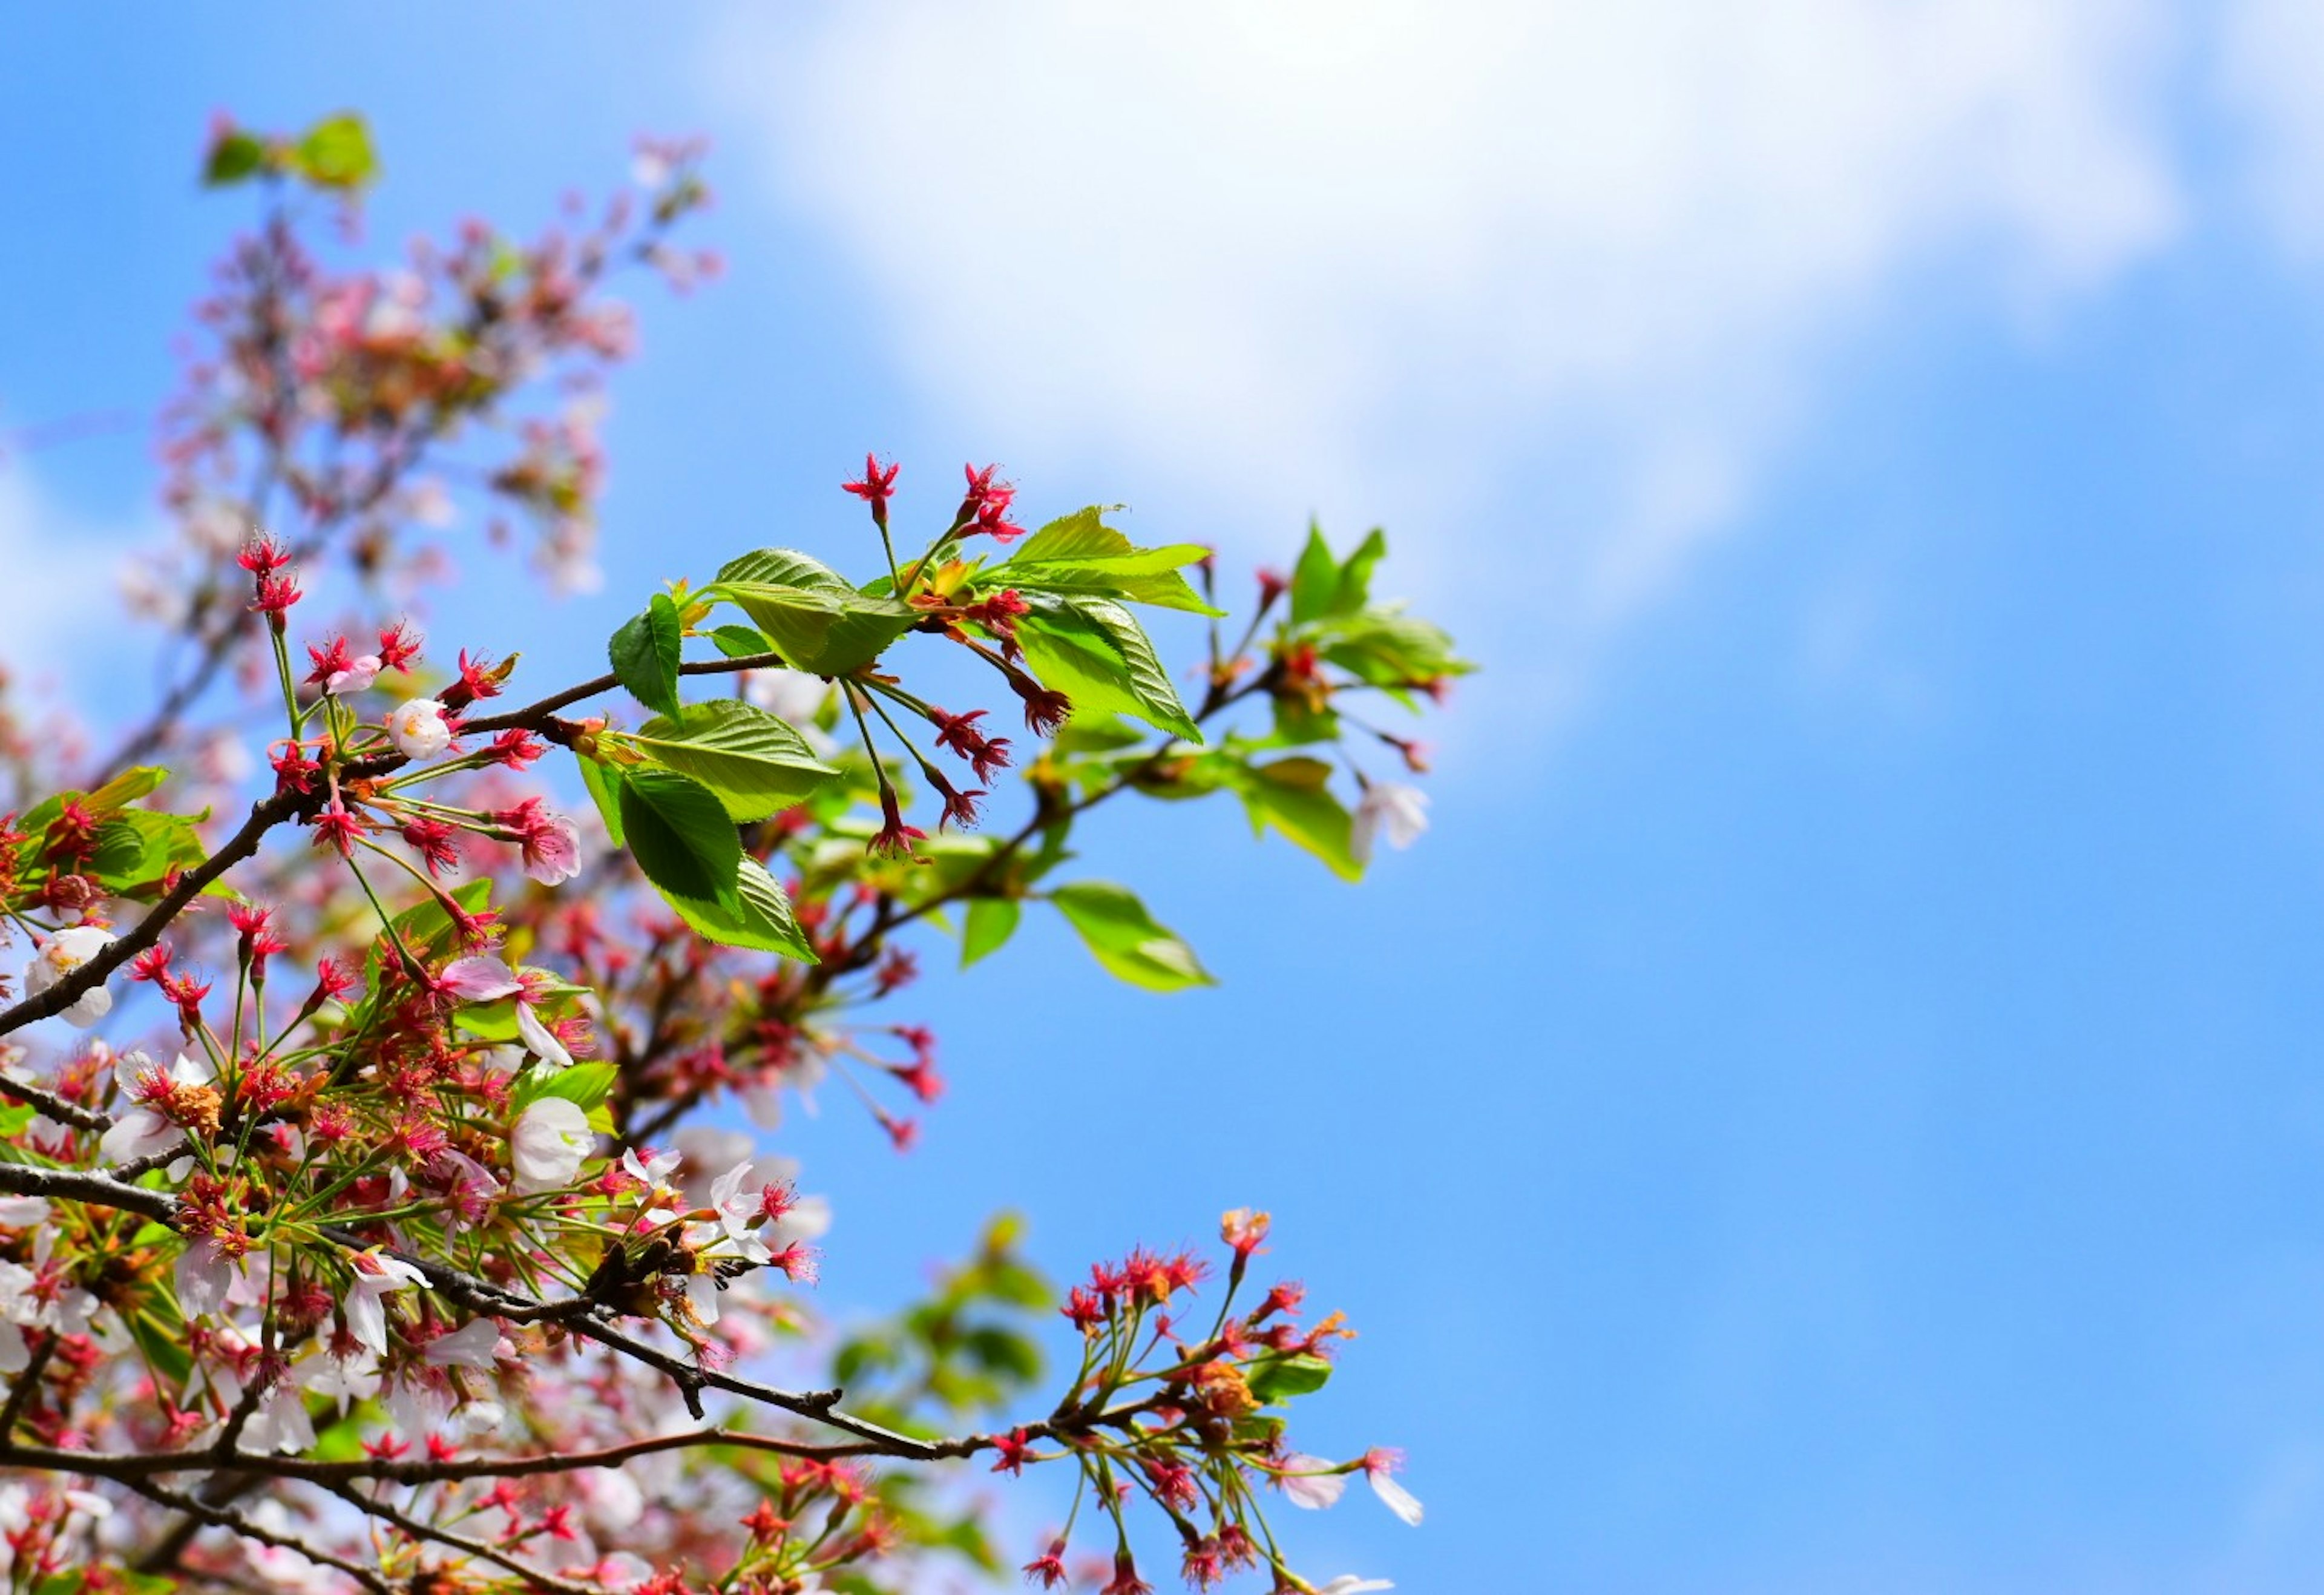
141	1131
343	1379
471	1345
203	1273
418	729
66	952
1399	1499
281	1421
376	1277
1348	1584
538	1039
1309	1482
545	1149
1399	811
358	675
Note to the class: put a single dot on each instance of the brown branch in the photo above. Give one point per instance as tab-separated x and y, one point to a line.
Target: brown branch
533	1576
271	812
221	1517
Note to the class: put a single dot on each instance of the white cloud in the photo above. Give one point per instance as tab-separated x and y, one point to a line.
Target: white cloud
60	593
2271	60
1417	254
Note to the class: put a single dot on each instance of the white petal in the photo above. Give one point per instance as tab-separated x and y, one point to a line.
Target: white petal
1314	1489
539	1041
203	1274
139	1133
367	1319
1399	1499
550	1140
90	1006
471	1345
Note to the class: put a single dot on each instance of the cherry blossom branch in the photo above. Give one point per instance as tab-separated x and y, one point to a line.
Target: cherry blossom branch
271	812
534	1576
221	1517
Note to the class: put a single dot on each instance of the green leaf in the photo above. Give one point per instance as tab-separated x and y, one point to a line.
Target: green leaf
808	611
755	762
487	1021
1096	733
160	1334
426	929
337	153
1278	1375
584	1085
235	156
604	781
989	923
1081	554
1095	651
125	789
1386	649
1355	585
763	921
645	652
680	834
1290	796
1314	580
1131	944
738	642
137	847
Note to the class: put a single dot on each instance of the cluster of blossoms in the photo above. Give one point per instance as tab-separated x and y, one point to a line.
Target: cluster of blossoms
396	1235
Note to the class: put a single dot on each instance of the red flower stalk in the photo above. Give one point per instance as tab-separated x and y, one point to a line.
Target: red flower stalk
398	646
516	748
479	678
1045	710
1009	1451
877	486
959	735
334	828
996	613
277	592
1049	1569
431	839
894	836
293	770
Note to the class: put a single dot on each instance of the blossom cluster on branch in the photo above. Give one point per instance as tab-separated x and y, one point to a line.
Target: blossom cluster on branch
393	1231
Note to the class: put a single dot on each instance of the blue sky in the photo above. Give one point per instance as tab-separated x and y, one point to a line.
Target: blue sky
1832	1105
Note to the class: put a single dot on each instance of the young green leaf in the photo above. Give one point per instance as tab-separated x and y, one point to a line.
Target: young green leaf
988	924
1290	795
584	1085
645	654
337	153
754	762
1081	554
681	836
1314	580
738	642
1125	939
237	155
1095	651
604	781
1284	1374
125	789
1390	649
810	614
762	921
137	847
